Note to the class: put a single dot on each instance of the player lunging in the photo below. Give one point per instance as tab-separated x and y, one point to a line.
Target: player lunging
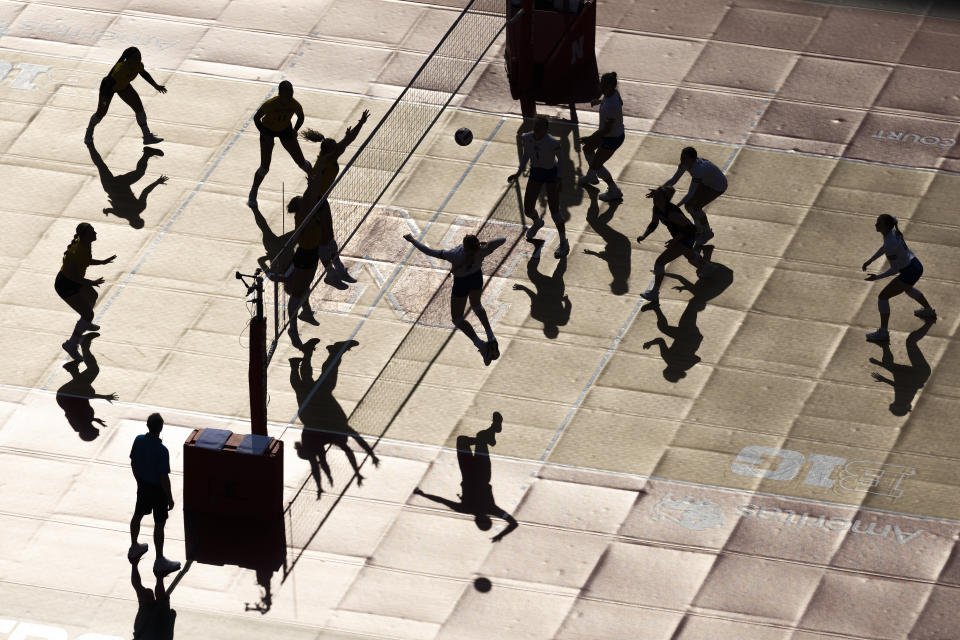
680	243
544	153
707	183
128	67
908	270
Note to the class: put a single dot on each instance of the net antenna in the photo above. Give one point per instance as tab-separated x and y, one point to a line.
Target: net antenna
382	155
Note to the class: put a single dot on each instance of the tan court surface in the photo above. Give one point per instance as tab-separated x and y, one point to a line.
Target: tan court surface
770	492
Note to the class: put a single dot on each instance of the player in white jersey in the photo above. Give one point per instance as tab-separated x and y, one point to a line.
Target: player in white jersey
544	153
908	270
707	183
600	146
466	262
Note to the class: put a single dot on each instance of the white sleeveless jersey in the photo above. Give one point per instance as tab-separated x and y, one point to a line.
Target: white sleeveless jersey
542	152
612	109
896	250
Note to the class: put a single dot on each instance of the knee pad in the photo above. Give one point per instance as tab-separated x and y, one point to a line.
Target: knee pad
883	305
659	269
915	293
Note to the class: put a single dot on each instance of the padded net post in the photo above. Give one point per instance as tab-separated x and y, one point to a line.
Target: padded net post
258	375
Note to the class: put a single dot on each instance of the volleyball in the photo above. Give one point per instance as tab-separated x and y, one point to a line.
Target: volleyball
463	136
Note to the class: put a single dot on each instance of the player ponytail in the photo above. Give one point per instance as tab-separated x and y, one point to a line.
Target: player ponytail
312	135
83	229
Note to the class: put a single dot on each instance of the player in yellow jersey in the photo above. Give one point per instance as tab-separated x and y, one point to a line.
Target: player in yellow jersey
304	267
128	67
322	175
272	119
73	287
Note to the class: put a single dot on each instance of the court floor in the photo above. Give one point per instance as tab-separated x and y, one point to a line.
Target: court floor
737	463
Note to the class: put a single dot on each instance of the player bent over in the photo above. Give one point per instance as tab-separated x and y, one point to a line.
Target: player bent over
908	269
544	153
707	183
466	265
681	241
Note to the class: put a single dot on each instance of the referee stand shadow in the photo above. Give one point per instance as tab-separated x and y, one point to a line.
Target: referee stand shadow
74	396
681	354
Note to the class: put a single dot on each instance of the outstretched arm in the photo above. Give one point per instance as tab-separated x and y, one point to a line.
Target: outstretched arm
493	245
654	223
672	181
511	524
433	253
456	506
352	133
525	289
146	76
872	258
150	187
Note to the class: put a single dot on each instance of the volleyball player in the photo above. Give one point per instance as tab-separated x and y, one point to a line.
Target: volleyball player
127	67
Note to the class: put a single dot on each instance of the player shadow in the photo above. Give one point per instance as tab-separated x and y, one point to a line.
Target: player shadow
906	379
74	396
476	494
272	244
681	355
324	420
155	619
617	251
119	189
549	304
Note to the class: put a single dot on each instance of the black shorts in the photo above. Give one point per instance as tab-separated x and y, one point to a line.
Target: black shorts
151	498
462	286
286	134
306	258
65	287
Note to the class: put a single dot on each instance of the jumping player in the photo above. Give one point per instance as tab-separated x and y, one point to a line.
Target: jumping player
321	176
272	119
544	153
466	265
75	289
303	268
680	243
601	145
127	67
908	270
707	183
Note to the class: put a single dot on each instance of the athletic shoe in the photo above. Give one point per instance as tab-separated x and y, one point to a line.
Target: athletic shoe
485	351
163	567
88	137
150	151
493	349
92	327
703	236
611	195
562	250
151	138
536	226
590	178
333	279
346	277
136	552
926	314
651	296
71	349
880	335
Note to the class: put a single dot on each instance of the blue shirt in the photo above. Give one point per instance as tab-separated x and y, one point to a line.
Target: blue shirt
150	459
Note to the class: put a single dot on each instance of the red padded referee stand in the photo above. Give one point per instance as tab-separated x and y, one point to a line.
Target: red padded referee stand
233	504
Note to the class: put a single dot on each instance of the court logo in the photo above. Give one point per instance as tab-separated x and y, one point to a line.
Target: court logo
696	514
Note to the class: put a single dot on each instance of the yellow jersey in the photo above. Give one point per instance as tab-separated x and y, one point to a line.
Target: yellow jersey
277	113
123	73
76	259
